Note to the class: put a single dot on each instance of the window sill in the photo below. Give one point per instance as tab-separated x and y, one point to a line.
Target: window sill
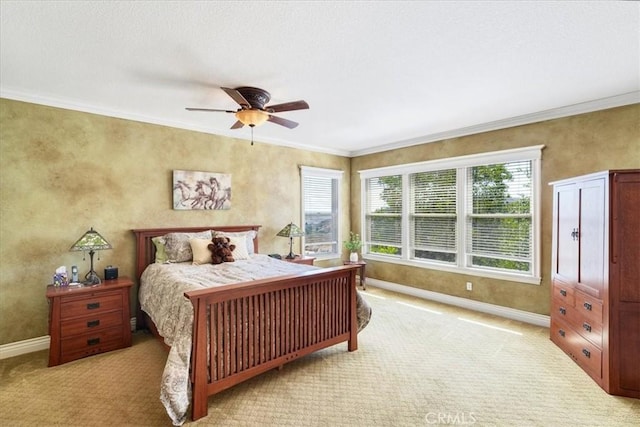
459	270
324	257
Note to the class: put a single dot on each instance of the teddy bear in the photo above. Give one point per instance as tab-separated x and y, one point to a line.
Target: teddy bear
221	250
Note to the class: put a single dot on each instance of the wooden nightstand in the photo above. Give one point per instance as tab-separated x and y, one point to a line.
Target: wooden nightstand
88	320
362	265
300	259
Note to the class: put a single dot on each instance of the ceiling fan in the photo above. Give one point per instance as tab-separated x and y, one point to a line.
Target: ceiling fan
253	112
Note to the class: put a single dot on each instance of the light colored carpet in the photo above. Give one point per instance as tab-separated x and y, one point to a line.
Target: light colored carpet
419	363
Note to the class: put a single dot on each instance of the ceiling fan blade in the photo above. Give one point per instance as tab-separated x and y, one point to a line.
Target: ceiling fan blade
237	125
208	109
282	122
287	106
237	96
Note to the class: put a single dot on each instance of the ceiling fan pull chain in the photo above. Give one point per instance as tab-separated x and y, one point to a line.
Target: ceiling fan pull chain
252	134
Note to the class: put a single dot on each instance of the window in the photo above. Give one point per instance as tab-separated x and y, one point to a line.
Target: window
474	214
384	219
498	216
320	211
433	215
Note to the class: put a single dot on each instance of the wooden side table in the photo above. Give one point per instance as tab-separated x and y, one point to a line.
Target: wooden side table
362	265
300	259
88	320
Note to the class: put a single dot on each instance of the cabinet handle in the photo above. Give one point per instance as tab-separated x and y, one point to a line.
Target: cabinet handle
586	352
563	311
587	306
587	327
93	323
563	292
93	305
93	341
575	234
561	332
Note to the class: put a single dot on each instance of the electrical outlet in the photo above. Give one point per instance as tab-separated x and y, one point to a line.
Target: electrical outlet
469	286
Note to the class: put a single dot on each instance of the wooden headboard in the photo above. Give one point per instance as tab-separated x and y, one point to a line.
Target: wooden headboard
146	250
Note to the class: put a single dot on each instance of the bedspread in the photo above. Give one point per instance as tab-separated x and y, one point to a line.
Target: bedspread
162	288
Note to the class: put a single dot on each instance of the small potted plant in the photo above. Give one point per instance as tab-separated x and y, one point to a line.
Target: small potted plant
353	245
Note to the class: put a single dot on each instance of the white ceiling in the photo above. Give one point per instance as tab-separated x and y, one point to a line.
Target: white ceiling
377	75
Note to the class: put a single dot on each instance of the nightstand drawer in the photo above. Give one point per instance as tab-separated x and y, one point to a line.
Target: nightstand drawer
88	324
88	305
93	342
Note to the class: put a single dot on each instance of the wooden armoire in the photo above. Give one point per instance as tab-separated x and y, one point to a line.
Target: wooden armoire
595	303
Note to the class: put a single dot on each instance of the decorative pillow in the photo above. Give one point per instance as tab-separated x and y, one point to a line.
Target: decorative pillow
240	252
248	236
201	253
161	255
178	248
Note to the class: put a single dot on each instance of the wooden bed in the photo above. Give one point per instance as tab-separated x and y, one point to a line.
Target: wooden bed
245	329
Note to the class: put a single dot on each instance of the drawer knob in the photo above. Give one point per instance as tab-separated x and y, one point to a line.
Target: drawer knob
587	306
93	323
587	327
561	332
563	311
93	341
93	305
586	352
563	292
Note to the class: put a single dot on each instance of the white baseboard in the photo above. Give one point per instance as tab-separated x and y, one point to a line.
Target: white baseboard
42	343
483	307
24	347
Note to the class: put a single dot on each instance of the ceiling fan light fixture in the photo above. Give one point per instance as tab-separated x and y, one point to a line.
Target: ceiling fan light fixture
252	117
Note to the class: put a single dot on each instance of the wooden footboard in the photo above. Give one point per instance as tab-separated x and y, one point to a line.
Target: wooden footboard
242	330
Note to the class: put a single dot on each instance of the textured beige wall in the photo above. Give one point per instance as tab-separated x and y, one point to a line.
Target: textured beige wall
62	172
575	145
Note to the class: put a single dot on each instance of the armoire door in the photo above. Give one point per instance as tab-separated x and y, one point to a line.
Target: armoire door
567	211
591	237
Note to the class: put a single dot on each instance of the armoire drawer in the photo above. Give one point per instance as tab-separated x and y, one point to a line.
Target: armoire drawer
563	293
583	352
585	326
579	319
588	307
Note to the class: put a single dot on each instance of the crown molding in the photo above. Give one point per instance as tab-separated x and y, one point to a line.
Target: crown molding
555	113
85	108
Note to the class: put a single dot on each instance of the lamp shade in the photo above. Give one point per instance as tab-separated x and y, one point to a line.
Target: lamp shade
290	230
91	241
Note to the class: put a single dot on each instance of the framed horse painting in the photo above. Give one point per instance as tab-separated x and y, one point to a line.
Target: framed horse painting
201	190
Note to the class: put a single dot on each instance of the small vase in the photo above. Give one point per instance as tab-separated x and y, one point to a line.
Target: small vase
353	257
